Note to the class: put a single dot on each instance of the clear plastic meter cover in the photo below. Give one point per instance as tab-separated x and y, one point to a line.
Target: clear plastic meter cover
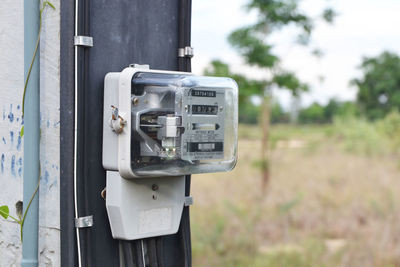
183	124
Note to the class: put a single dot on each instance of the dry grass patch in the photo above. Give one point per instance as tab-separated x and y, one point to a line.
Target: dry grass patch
319	196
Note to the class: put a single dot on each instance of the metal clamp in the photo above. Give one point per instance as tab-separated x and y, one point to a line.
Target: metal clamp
84	222
186	52
83	41
188	201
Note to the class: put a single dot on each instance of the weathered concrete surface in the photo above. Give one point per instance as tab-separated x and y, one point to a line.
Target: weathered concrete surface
11	147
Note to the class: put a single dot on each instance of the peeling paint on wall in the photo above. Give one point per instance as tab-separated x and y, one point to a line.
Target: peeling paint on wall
11	143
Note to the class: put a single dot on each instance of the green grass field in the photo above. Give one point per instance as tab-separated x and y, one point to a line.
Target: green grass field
333	200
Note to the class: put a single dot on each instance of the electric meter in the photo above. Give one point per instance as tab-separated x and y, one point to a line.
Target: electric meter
160	123
157	127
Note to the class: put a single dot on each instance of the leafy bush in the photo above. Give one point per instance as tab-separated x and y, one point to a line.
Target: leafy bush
390	128
312	114
361	136
317	114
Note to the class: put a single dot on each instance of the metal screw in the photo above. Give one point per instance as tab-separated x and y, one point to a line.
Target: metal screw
154	187
135	100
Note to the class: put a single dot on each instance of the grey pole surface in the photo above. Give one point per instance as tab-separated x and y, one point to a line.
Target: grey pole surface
31	135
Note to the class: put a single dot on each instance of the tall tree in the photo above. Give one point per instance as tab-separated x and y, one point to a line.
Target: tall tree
379	86
254	45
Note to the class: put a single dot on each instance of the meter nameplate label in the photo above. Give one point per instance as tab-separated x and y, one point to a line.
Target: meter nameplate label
203	115
203	93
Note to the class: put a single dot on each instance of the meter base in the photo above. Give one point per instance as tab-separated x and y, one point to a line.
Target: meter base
142	208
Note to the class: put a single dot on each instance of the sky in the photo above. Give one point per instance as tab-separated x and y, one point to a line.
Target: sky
362	28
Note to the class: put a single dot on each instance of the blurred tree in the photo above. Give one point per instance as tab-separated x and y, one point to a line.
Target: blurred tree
278	115
253	44
348	109
331	109
249	113
379	87
315	113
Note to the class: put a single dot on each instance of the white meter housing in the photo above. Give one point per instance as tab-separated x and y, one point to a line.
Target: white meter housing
158	127
160	123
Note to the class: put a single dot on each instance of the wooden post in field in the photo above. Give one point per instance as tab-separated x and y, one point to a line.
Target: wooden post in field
264	121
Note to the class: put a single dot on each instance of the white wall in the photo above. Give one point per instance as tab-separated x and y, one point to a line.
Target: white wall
11	146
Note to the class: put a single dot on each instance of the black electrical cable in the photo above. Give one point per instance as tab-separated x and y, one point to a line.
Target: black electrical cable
152	252
185	227
181	32
187	33
139	250
127	253
87	233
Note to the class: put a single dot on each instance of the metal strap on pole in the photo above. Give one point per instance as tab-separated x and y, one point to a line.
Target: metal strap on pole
83	41
84	222
186	52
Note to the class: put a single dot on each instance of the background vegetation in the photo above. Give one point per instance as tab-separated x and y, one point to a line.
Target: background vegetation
330	171
332	200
